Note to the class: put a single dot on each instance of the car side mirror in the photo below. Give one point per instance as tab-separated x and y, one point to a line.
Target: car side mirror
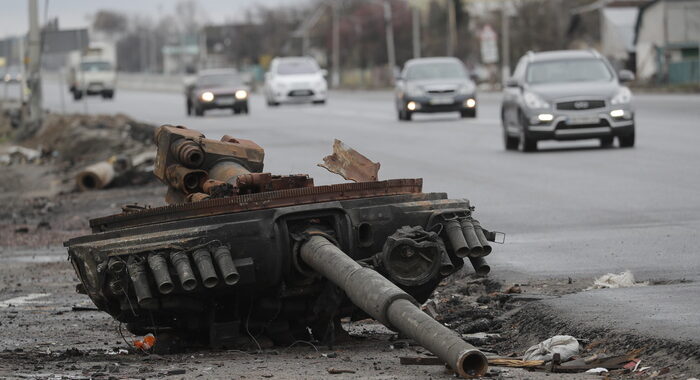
512	82
324	72
625	76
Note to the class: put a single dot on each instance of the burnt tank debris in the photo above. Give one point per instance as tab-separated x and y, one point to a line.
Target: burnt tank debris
238	252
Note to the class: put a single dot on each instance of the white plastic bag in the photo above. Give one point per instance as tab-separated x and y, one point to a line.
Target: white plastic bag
566	346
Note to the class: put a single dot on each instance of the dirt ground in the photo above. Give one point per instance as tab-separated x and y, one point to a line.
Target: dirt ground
47	330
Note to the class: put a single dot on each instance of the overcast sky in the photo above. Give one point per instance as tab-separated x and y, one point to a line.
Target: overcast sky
14	18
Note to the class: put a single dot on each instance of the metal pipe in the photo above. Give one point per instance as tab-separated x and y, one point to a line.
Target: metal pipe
390	305
480	266
184	271
159	268
202	258
227	171
446	265
456	237
482	237
137	272
475	248
188	152
95	176
222	256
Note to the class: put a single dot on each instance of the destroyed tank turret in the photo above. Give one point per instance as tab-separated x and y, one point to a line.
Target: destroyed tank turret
238	252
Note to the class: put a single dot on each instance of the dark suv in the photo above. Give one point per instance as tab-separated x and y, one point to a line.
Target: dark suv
566	95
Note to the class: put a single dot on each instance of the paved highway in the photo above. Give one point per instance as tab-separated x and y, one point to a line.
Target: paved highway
570	210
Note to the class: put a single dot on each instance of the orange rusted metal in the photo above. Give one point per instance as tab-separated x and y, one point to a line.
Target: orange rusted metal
350	164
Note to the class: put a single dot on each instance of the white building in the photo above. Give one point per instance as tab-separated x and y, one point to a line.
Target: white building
668	41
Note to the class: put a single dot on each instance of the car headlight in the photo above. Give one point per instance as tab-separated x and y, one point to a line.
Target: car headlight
241	94
623	96
207	96
534	101
414	90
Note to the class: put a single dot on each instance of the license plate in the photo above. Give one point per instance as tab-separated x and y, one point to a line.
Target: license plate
442	101
224	101
575	120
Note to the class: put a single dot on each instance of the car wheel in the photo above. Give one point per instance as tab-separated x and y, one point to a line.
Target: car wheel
408	115
189	108
236	111
245	109
527	143
198	111
468	113
626	141
319	102
511	143
77	95
606	142
107	94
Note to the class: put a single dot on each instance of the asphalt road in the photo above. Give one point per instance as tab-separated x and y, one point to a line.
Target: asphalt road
570	210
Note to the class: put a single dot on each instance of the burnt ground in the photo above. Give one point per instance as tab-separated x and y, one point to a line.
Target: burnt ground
53	332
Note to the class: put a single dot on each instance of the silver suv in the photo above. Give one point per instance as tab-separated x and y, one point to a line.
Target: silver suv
566	95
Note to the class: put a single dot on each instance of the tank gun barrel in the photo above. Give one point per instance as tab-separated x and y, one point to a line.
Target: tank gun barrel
390	305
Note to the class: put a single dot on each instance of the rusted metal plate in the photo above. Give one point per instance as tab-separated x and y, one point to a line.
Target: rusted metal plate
350	164
258	201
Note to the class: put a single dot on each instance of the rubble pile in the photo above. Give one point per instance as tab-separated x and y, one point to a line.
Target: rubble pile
94	151
79	139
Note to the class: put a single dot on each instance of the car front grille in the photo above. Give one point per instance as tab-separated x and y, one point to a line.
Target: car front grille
446	91
578	105
562	125
300	93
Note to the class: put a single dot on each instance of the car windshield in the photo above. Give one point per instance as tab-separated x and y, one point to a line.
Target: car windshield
302	66
218	80
570	70
96	66
438	70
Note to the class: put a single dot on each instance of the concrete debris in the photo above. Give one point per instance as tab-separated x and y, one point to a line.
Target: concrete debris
565	345
350	164
20	155
613	281
597	370
118	171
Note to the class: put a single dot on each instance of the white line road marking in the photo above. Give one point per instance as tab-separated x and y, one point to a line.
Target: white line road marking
29	298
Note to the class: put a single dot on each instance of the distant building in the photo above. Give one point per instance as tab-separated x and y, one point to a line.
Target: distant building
668	41
608	26
181	57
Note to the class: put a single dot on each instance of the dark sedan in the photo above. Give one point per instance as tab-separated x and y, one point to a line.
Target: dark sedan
216	89
435	85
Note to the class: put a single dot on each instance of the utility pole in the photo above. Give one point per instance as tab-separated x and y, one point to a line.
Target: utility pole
451	28
505	43
34	64
416	31
335	79
391	56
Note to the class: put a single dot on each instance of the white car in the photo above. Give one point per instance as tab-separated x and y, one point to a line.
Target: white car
295	80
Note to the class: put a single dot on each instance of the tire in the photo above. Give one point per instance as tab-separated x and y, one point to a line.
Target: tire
606	142
198	111
408	115
510	143
626	141
108	94
399	113
320	102
468	113
245	109
236	111
527	144
189	108
77	95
